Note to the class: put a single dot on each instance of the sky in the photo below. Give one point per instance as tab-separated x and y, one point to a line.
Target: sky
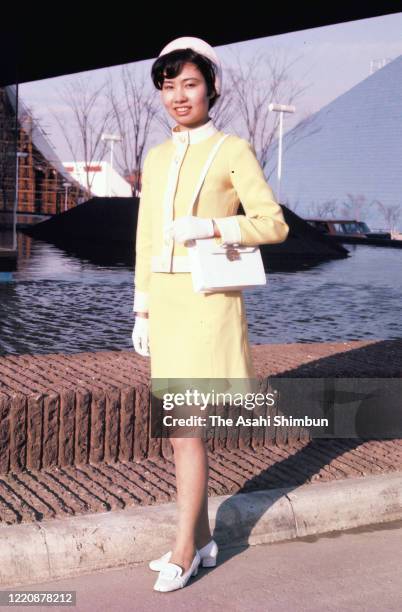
328	61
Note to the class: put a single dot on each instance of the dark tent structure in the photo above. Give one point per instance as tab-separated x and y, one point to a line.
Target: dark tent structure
102	230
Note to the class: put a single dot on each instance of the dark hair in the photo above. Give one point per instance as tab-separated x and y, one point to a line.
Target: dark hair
172	64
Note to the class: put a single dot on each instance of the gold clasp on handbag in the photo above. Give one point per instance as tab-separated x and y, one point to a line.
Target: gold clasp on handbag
232	253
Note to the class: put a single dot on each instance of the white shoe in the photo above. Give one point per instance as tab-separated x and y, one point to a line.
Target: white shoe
208	554
171	576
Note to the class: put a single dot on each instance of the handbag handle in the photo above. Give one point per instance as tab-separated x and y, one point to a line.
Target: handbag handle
204	172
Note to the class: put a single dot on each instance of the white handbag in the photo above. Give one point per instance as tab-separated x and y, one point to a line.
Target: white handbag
222	267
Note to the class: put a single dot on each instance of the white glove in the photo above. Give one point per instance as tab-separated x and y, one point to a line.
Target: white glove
140	336
189	228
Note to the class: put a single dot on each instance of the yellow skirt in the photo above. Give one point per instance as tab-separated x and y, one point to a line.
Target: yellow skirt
197	342
196	335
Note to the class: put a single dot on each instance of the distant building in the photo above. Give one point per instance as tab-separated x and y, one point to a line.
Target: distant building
102	179
350	146
44	186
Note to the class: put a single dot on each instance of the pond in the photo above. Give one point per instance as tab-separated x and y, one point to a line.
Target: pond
60	301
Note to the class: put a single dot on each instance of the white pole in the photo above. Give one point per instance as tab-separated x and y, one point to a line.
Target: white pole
280	155
280	108
111	168
112	138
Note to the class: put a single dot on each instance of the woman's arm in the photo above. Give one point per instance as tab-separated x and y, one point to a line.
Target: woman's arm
263	222
143	242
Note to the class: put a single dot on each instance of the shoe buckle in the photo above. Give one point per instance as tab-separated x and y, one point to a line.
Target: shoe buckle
170	571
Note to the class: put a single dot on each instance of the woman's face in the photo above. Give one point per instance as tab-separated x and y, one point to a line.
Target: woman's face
187	90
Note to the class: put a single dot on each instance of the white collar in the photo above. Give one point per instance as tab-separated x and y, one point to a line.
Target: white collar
194	135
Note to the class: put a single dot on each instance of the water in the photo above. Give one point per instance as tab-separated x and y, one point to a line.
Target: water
61	302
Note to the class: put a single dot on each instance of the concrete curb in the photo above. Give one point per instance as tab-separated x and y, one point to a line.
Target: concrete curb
61	548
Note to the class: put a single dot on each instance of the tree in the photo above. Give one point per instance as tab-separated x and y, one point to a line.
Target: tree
391	214
90	118
257	83
354	206
323	210
134	111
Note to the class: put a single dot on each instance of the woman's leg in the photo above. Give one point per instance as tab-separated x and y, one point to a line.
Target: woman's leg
203	531
191	461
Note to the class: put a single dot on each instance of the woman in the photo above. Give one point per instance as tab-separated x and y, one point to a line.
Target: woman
191	335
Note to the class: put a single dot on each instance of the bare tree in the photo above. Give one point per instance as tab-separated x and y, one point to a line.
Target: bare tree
354	206
255	84
391	214
323	210
91	116
134	111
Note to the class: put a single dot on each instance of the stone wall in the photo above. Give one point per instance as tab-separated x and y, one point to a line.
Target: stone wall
89	408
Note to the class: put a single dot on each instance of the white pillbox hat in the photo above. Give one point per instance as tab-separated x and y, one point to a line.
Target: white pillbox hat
200	46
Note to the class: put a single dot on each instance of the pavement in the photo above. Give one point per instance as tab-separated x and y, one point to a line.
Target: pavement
63	522
356	570
321	496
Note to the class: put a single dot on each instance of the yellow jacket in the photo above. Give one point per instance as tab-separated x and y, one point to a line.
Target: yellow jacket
170	173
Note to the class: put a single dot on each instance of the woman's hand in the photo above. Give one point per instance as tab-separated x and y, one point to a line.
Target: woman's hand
140	336
190	228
